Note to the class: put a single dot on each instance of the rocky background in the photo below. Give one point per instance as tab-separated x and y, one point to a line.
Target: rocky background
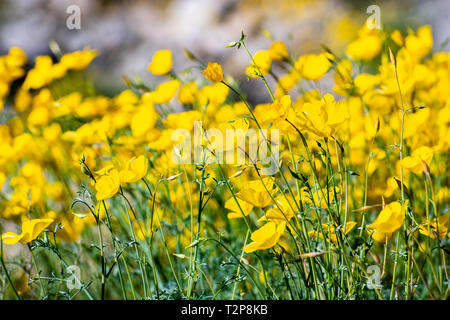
128	32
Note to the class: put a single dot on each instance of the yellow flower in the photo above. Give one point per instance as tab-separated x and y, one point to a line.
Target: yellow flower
365	82
213	72
2	179
282	211
287	83
397	37
16	57
188	93
435	229
105	170
416	161
163	93
255	193
365	48
41	75
108	185
265	237
231	204
144	120
282	106
39	116
313	66
30	230
420	44
323	117
78	60
388	221
343	77
278	51
262	61
161	62
214	94
183	120
135	169
330	231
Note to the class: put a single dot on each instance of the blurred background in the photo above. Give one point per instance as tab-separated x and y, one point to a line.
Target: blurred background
127	33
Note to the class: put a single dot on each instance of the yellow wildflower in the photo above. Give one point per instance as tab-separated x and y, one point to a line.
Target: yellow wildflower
436	229
161	62
313	66
108	185
213	72
388	221
231	204
278	51
30	230
365	48
416	161
135	169
265	237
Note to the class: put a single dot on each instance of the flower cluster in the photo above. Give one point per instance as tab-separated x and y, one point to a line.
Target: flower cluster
380	132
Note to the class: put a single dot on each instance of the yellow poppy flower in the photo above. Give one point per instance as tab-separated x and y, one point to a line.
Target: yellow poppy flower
105	170
161	62
397	37
420	44
143	121
278	51
379	236
435	229
313	66
265	237
30	230
365	48
365	82
282	211
231	204
287	83
40	75
343	77
213	72
188	93
108	185
262	61
78	60
390	218
135	169
183	120
255	193
163	92
323	117
213	95
416	161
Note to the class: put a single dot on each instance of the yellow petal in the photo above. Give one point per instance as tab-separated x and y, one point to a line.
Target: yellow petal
213	72
231	204
32	228
161	62
11	238
108	185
